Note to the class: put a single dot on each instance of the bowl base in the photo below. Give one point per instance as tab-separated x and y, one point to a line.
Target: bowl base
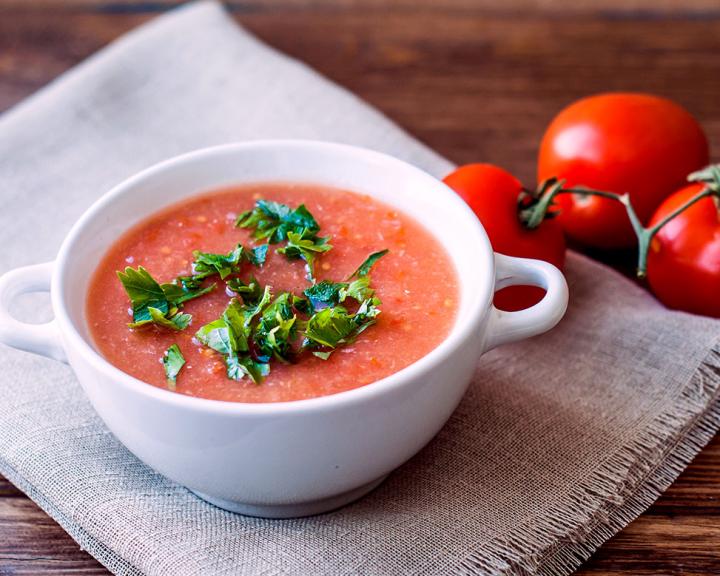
292	510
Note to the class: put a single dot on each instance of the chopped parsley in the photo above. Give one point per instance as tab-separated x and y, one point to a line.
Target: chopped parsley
324	295
207	264
256	308
306	245
251	334
330	327
275	222
154	303
257	327
173	361
229	335
258	255
365	267
250	292
176	320
179	293
276	330
144	293
327	294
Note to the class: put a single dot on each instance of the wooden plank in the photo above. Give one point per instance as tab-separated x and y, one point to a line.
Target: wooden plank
32	544
475	80
661	7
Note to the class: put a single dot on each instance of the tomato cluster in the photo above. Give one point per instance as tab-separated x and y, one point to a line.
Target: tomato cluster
615	158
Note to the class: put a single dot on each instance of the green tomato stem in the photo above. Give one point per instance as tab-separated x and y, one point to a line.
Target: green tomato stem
532	216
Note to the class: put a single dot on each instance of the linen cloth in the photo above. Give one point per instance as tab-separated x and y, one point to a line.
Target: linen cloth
560	441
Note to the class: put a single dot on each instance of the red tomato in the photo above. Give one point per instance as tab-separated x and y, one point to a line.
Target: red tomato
684	257
492	193
636	143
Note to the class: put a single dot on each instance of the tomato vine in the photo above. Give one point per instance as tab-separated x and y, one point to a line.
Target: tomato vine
536	205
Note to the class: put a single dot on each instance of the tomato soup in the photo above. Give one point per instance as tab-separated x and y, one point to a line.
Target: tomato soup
415	283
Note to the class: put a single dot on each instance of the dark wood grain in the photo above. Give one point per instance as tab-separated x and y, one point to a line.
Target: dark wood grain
477	80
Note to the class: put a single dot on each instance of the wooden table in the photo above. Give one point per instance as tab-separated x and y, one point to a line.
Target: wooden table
477	80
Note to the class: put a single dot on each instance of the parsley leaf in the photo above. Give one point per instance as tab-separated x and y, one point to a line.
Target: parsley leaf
333	326
207	264
277	222
179	294
276	330
144	292
359	290
156	303
326	294
257	307
229	335
257	256
250	292
174	320
173	361
188	283
306	245
329	327
365	267
239	367
273	221
216	335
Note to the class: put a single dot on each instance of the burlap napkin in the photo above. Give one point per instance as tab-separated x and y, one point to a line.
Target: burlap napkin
562	441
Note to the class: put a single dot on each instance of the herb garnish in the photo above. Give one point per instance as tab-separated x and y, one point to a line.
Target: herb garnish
157	303
251	334
229	335
257	328
332	324
306	245
328	294
276	330
365	267
207	264
258	255
176	320
277	222
273	221
331	327
178	294
173	361
250	292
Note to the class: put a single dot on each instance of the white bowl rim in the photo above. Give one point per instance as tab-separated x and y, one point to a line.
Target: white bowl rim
461	330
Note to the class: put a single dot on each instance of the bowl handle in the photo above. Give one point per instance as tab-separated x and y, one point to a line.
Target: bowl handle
43	339
507	327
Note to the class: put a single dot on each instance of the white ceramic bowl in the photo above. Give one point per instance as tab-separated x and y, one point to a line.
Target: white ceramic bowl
291	458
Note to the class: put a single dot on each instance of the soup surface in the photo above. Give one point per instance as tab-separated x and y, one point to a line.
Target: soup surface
415	281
